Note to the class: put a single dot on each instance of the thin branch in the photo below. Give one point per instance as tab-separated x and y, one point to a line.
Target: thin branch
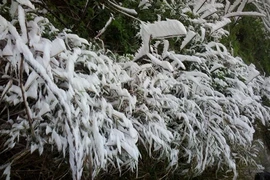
84	10
23	94
105	27
43	5
122	12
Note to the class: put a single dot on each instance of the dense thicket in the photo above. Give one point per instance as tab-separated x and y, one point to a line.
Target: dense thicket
173	99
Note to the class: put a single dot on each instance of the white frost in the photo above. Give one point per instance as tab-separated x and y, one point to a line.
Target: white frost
57	46
165	64
188	38
21	16
163	29
158	30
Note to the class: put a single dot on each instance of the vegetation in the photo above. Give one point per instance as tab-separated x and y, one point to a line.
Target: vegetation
252	44
134	89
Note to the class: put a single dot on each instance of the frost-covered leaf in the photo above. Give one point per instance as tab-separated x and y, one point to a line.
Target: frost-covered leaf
3	26
165	64
57	47
7	170
198	5
157	30
188	38
145	4
233	14
127	10
163	29
220	24
7	51
21	16
26	3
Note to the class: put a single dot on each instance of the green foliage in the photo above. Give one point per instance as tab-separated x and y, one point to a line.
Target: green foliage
86	20
121	30
249	40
